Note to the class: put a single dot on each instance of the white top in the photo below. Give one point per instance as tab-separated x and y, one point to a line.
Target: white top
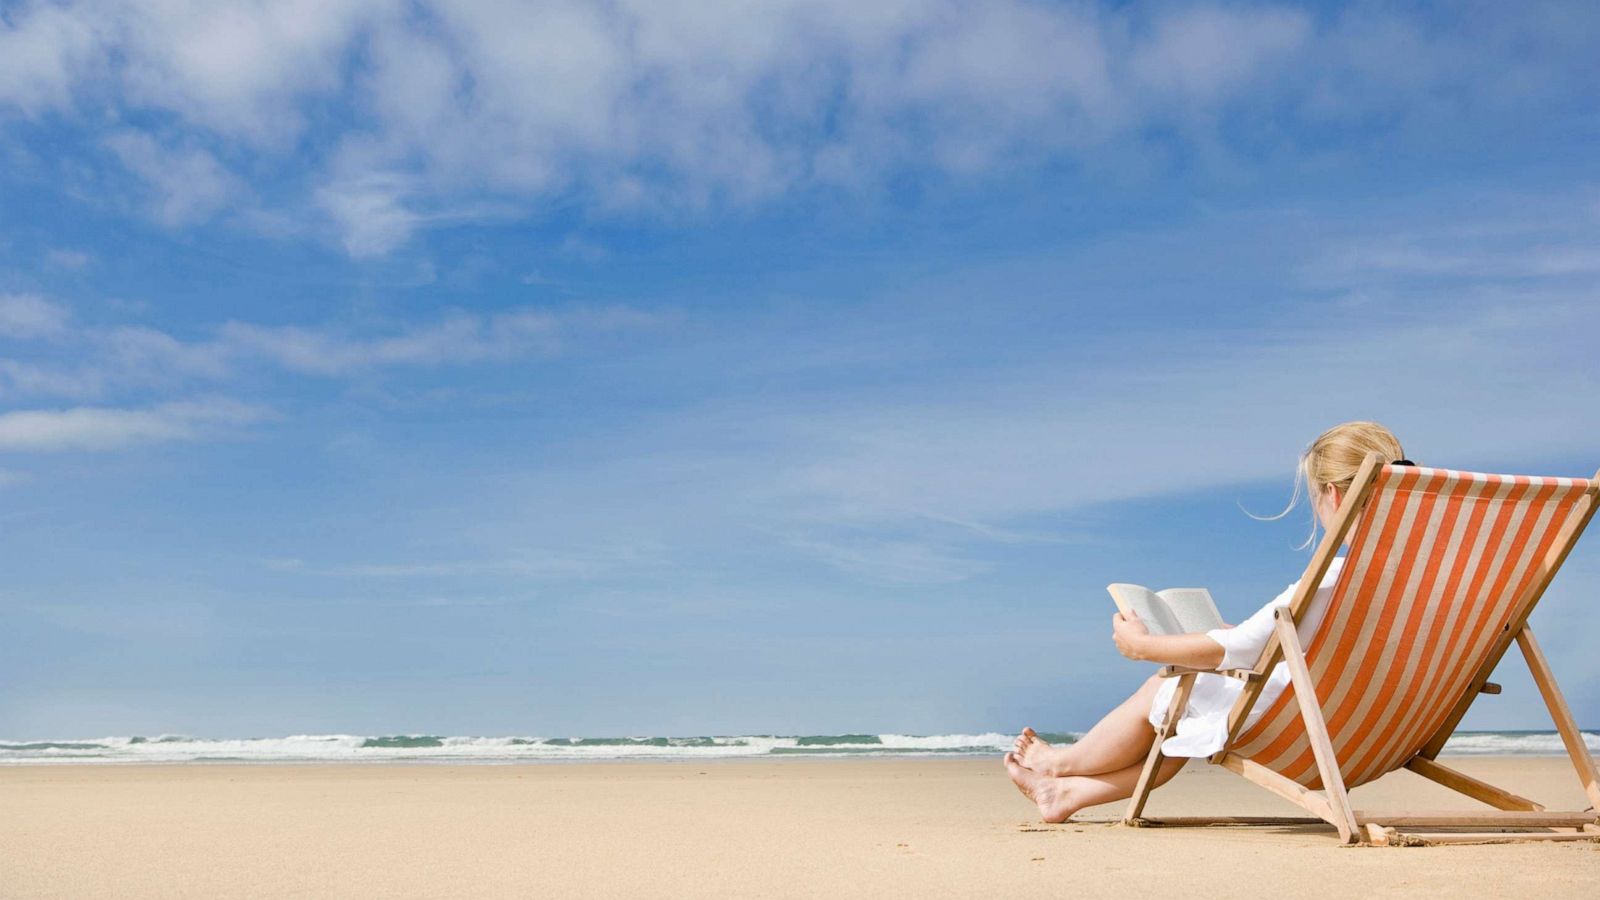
1204	726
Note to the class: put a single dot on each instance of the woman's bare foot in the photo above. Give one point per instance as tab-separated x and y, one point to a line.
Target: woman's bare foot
1047	793
1035	753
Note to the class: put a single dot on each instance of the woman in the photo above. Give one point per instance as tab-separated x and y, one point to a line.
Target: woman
1104	764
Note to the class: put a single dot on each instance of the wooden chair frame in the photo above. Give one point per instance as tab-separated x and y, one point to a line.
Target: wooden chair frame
1331	804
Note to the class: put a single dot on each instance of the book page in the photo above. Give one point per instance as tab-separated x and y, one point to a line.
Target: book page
1193	609
1147	605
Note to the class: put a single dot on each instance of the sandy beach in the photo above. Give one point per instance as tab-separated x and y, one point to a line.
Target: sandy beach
791	828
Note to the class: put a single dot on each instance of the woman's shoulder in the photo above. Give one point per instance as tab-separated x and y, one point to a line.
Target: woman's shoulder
1334	567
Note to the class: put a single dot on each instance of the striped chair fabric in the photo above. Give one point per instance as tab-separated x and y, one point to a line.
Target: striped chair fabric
1439	564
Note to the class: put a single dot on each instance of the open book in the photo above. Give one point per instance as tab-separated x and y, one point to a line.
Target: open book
1172	611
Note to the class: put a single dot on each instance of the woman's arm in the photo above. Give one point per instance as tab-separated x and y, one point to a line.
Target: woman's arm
1134	640
1225	647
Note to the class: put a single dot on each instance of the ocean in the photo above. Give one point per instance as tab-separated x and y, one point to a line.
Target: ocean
307	748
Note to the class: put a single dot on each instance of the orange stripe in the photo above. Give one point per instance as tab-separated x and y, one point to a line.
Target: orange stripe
1563	510
1276	752
1376	725
1458	593
1349	652
1490	626
1282	729
1402	666
1425	648
1510	607
1357	553
1350	702
1481	600
1269	755
1490	607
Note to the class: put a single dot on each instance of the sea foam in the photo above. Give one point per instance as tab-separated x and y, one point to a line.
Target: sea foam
169	748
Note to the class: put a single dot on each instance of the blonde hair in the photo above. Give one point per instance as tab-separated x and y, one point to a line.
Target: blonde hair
1333	459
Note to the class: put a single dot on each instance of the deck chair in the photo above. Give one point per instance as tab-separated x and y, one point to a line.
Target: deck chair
1443	569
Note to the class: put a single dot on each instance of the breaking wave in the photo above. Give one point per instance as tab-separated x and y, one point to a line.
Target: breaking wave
170	748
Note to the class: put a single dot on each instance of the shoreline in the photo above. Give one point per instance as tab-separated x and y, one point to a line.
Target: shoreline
768	827
474	749
466	762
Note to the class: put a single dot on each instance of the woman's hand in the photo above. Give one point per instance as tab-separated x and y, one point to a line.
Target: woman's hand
1129	633
1134	640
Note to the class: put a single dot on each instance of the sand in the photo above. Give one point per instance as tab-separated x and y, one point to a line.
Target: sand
781	828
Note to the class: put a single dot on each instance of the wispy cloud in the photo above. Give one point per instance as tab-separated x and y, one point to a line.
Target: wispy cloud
932	474
536	565
1203	54
67	259
31	316
1045	438
187	185
459	338
547	567
109	428
135	357
27	379
370	212
1515	252
894	561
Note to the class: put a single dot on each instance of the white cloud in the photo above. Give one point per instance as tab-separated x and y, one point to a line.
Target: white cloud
187	184
385	118
109	428
67	259
150	354
520	564
370	212
541	566
1446	253
240	68
31	316
1205	52
126	359
894	561
1383	60
45	52
35	380
459	338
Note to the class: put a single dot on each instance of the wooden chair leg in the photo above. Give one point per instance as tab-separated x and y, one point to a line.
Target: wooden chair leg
1570	735
1314	802
1316	729
1152	762
1462	783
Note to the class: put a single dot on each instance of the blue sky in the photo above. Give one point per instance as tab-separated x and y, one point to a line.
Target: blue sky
684	368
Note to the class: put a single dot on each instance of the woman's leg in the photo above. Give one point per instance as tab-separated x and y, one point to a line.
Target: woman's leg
1119	740
1059	798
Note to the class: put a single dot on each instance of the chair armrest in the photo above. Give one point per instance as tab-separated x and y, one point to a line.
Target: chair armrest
1175	671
